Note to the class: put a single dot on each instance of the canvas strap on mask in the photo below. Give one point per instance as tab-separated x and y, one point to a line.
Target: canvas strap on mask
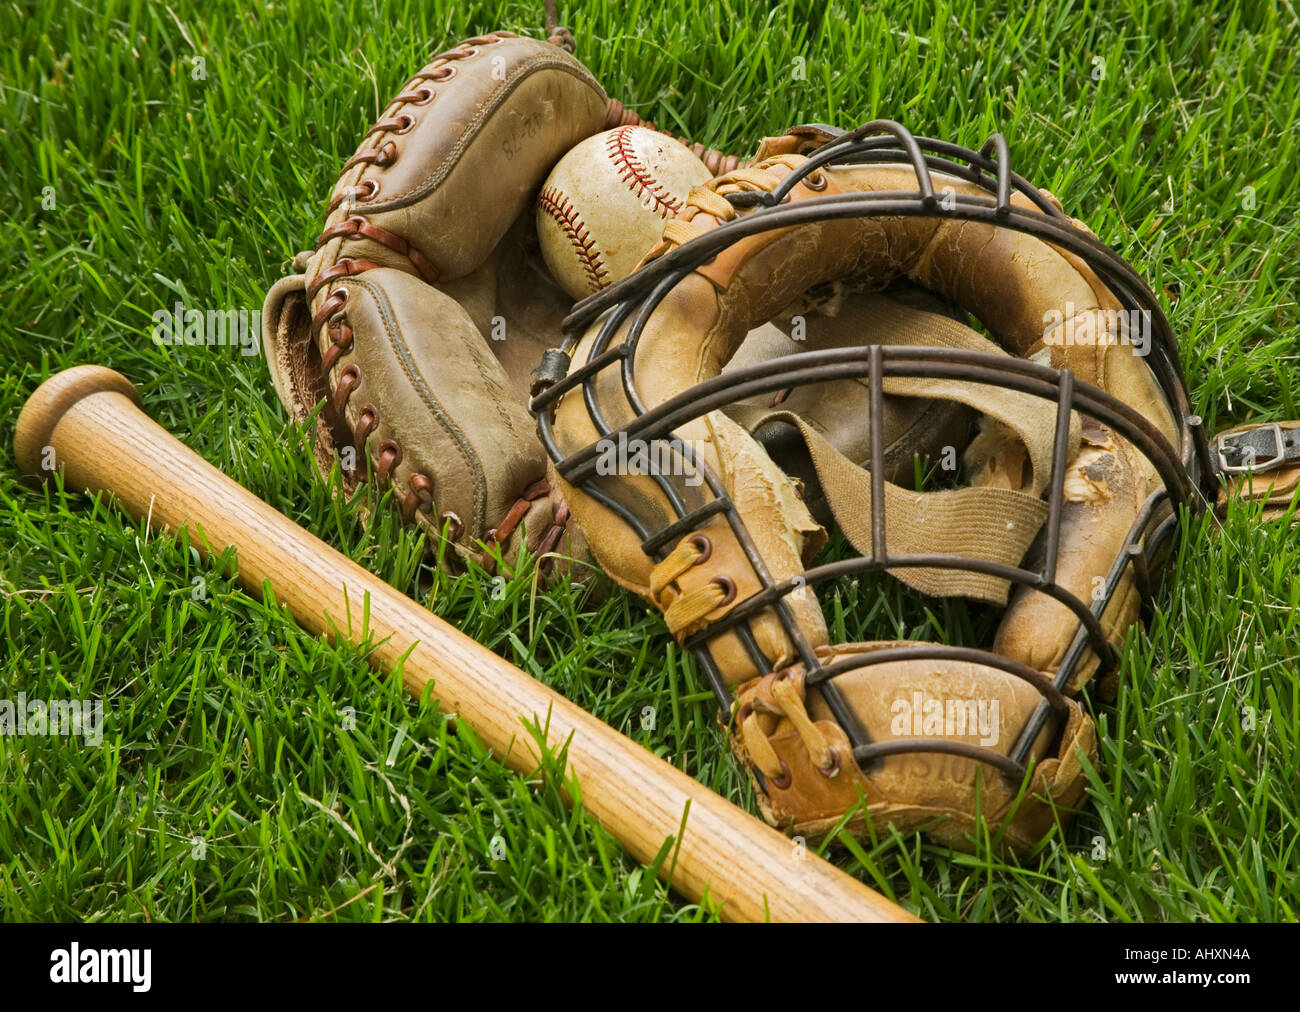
979	522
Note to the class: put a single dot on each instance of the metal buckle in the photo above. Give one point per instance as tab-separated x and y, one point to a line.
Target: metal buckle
1251	461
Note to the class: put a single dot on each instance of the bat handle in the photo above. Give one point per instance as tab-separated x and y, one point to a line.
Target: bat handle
88	421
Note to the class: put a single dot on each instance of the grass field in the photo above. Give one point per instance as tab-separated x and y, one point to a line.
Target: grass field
160	152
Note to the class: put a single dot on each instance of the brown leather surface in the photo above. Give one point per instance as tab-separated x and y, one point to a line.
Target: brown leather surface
1105	488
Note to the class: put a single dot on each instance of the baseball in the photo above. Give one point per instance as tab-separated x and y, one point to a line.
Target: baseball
604	204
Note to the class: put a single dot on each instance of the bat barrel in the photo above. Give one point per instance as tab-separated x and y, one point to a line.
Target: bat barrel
88	422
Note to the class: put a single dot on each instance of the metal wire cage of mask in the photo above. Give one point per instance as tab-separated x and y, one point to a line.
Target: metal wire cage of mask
1187	471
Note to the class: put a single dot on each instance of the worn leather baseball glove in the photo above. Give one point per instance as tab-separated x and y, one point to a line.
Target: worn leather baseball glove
414	323
1056	506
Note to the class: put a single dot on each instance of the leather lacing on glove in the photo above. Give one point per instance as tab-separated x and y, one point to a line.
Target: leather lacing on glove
500	534
417	92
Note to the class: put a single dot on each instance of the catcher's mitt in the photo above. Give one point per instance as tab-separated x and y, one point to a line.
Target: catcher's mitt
1085	450
415	322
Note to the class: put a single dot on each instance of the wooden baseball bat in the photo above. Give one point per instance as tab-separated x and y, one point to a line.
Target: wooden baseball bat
88	421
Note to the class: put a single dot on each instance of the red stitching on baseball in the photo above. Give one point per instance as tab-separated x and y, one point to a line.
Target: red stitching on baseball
633	171
557	205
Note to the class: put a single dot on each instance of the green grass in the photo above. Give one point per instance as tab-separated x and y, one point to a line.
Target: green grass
233	783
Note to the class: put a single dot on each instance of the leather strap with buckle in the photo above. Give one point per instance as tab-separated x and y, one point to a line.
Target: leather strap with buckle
1260	461
1258	449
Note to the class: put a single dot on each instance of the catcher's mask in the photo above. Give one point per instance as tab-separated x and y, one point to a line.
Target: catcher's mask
1074	409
